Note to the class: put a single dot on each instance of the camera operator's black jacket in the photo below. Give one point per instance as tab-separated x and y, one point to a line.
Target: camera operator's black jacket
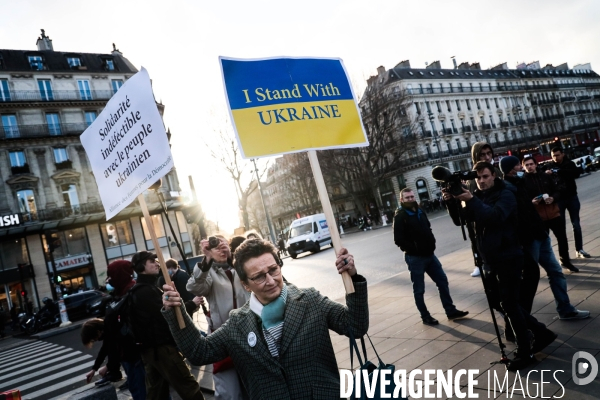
531	226
412	232
494	215
567	172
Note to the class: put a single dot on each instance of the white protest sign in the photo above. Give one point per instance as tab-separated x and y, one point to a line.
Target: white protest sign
127	145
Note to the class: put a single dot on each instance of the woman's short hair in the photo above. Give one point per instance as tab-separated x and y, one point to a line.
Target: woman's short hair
90	330
251	248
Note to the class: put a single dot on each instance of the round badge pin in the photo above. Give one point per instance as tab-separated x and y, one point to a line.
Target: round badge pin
252	339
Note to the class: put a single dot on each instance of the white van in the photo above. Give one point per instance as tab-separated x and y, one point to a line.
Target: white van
309	233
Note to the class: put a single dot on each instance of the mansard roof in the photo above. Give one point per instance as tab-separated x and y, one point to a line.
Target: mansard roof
56	61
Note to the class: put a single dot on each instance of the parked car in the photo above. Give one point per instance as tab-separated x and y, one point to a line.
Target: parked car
85	304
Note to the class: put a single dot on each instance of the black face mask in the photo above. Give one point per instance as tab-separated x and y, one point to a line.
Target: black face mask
410	205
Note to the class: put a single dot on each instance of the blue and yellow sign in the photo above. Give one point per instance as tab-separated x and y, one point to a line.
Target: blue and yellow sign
285	105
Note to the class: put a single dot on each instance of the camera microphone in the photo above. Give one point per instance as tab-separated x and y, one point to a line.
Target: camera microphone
441	174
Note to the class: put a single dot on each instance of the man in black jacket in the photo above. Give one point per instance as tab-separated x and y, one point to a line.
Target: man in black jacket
544	194
492	208
163	362
567	172
539	246
412	233
180	278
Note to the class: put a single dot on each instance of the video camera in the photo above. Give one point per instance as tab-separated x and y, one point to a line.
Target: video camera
452	180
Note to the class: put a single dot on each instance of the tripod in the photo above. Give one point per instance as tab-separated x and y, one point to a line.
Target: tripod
487	290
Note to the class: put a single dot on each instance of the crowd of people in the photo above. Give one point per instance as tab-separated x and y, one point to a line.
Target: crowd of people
508	209
266	338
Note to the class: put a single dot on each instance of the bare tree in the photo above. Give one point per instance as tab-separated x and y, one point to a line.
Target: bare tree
390	131
240	171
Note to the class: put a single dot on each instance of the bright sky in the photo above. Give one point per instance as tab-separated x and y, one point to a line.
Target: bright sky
179	42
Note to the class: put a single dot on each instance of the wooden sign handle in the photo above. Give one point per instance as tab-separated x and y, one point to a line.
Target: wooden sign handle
333	229
161	258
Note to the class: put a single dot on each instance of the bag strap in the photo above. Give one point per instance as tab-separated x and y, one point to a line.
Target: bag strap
381	363
354	346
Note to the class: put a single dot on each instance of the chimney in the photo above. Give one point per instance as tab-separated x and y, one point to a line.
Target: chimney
434	65
454	62
498	67
44	42
403	64
380	70
464	65
475	66
116	52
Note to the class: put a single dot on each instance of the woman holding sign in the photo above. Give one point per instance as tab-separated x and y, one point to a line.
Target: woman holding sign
279	340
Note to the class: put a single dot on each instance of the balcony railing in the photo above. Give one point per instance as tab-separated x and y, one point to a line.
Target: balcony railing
498	88
30	131
23	169
67	164
504	124
56	95
51	214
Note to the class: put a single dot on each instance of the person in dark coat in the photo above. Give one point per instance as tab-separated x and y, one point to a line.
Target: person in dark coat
163	362
541	184
412	233
180	278
492	209
566	172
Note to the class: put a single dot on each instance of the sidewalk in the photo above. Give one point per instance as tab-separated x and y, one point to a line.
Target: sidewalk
403	340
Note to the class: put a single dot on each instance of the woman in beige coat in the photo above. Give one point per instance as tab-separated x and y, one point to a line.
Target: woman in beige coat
216	279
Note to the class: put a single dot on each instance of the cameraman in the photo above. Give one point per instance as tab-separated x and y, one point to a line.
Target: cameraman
493	210
481	151
412	233
216	279
566	171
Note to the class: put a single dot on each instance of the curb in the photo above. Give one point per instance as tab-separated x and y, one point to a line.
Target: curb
58	331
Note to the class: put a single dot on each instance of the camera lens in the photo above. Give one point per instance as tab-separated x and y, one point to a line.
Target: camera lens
213	242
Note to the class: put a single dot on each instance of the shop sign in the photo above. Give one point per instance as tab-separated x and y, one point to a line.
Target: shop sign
70	262
10	220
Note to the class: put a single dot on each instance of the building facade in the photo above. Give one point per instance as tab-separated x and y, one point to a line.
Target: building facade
518	111
54	237
526	110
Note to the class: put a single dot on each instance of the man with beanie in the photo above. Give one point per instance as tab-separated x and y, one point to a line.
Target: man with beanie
530	228
217	280
163	363
412	233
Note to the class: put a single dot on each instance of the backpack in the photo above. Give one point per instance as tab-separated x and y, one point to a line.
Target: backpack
118	316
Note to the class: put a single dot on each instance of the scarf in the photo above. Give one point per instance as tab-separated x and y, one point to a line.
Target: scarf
272	319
